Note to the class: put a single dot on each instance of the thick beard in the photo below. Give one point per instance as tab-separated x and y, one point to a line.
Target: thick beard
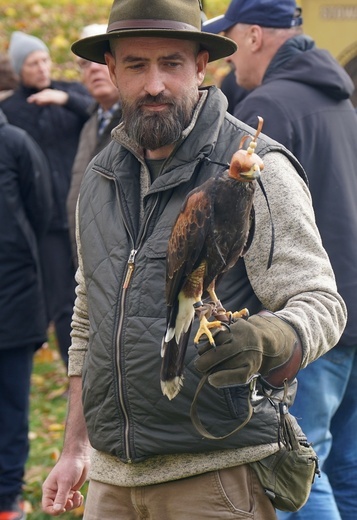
153	131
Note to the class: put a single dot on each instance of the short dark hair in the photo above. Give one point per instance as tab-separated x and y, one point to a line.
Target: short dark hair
8	78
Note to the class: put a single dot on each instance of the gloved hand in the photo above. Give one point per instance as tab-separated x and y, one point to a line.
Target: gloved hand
263	344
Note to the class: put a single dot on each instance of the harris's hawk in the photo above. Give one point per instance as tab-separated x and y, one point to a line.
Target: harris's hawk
209	236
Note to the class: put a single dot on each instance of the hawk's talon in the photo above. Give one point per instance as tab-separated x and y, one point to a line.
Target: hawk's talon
226	325
205	311
204	328
242	314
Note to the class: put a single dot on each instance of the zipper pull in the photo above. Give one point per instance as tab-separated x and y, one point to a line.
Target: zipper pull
130	268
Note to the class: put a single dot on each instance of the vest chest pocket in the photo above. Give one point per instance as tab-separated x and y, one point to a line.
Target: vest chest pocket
151	271
156	245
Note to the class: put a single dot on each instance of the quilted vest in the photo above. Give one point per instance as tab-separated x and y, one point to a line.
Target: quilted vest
124	267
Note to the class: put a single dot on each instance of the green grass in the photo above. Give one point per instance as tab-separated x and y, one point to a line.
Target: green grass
48	410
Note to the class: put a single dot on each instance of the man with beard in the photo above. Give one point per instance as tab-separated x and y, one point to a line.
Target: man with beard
147	459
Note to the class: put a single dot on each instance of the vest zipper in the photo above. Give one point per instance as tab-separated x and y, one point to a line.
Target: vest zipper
126	285
119	369
130	268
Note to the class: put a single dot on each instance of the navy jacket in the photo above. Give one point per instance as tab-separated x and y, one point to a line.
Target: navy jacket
304	100
56	129
25	212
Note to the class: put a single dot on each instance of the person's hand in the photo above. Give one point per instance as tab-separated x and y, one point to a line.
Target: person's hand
48	96
60	491
264	344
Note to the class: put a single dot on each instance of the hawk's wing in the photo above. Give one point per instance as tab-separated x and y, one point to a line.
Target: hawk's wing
186	247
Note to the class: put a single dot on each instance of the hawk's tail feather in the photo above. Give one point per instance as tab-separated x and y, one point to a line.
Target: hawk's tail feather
171	388
173	356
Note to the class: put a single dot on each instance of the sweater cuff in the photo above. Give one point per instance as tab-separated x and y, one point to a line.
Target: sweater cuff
76	360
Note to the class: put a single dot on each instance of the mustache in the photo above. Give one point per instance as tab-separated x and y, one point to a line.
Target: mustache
155	100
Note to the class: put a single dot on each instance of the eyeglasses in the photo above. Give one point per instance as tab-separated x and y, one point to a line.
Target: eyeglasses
84	64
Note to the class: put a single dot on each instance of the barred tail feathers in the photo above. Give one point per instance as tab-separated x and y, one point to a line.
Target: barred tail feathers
174	346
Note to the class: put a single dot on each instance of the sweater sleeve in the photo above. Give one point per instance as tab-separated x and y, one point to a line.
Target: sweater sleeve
300	285
80	320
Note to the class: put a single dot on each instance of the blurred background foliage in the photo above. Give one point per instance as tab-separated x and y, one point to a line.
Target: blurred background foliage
59	23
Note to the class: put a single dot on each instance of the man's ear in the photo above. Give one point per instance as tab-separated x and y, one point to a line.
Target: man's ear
255	37
110	61
201	65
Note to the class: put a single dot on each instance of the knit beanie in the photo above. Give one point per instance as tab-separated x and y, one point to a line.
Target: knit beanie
21	45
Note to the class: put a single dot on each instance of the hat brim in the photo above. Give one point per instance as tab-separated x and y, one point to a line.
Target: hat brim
218	24
93	48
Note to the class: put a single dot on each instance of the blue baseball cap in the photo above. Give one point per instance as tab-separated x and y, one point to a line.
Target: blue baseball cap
266	13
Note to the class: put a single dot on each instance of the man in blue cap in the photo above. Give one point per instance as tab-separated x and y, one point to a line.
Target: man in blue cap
303	95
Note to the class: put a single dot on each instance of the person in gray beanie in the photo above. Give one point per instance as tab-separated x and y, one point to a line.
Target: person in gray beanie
21	46
53	113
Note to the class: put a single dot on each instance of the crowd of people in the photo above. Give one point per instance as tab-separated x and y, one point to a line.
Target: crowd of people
93	174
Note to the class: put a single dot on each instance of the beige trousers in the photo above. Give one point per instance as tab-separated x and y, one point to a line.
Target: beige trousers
233	493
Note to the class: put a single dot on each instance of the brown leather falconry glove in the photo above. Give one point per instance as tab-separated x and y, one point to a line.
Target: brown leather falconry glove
264	344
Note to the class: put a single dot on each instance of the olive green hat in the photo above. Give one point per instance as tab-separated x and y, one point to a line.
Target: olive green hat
179	19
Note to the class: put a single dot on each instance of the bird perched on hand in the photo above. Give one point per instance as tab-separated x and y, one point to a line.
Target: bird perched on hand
210	234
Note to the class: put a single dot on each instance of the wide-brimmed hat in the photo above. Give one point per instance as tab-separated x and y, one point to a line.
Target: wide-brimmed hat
179	19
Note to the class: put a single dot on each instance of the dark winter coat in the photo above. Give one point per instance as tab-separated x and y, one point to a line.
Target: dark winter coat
56	129
25	212
304	100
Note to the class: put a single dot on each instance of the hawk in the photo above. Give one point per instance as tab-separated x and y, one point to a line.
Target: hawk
210	234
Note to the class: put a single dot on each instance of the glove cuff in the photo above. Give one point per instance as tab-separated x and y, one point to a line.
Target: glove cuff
287	370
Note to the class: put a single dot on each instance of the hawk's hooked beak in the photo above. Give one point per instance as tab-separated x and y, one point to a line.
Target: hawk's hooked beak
252	174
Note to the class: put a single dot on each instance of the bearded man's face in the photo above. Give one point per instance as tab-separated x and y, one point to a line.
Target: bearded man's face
157	79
